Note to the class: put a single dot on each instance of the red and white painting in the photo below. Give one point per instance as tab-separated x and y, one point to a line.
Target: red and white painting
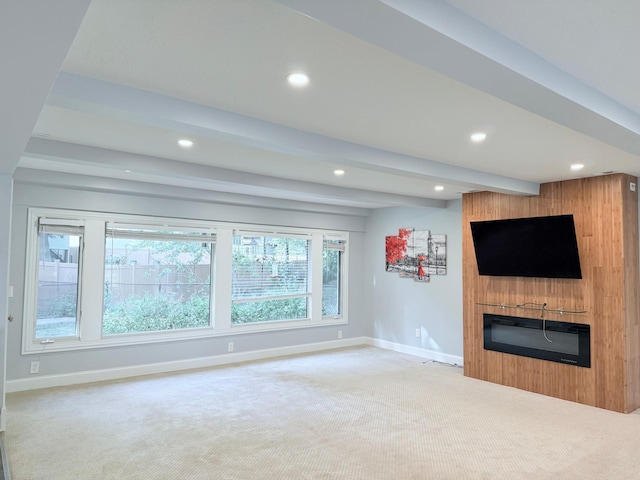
416	254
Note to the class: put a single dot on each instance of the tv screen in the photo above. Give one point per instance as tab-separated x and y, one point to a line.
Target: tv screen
543	247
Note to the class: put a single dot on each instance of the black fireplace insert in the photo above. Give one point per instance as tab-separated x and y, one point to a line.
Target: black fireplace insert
562	342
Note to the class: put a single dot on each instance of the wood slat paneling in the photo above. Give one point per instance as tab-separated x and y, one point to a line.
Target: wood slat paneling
605	212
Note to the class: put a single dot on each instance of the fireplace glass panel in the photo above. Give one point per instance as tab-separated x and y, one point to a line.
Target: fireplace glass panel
555	341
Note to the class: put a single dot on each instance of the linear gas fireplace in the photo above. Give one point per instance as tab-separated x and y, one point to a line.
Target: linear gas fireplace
562	342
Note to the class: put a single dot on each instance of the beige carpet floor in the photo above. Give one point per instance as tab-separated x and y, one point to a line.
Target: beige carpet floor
361	413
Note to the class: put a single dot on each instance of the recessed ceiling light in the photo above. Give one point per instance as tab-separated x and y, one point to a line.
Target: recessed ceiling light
185	143
438	188
298	79
577	166
338	172
127	171
478	137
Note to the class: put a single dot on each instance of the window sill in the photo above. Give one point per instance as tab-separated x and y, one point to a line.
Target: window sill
175	336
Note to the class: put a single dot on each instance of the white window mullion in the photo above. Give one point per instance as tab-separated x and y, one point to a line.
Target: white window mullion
92	281
316	278
222	272
344	283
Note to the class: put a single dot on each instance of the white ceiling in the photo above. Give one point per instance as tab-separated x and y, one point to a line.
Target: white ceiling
397	87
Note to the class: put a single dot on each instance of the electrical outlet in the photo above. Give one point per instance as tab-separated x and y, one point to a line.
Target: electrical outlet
35	367
339	333
417	332
230	347
632	186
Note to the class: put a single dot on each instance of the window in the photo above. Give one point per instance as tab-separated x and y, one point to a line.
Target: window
59	267
98	279
270	278
156	280
332	264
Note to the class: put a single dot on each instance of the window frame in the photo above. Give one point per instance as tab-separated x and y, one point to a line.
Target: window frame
340	246
57	226
159	233
308	277
92	280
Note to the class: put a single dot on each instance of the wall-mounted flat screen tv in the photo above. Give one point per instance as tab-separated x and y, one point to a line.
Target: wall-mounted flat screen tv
544	247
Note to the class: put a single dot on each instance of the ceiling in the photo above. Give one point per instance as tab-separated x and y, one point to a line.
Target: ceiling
102	90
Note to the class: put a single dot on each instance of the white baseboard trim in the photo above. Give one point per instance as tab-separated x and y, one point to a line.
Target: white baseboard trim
418	352
47	381
88	376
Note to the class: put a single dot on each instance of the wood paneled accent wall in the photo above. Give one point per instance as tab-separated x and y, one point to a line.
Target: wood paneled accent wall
605	212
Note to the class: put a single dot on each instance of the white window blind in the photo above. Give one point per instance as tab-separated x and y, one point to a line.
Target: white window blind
270	266
58	226
167	233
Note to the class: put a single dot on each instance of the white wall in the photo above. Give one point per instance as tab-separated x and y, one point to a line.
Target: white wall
398	306
6	187
67	363
381	304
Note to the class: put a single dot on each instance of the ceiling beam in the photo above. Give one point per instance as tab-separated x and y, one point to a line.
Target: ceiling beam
93	183
96	96
81	159
440	37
